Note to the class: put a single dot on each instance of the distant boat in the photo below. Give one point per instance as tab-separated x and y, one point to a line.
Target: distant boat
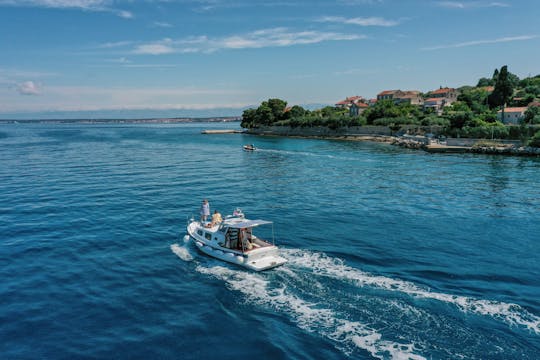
250	147
233	241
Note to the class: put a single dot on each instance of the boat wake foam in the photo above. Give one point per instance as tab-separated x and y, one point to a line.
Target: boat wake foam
321	264
182	252
311	316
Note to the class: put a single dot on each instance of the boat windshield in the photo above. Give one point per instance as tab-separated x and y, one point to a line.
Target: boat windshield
247	224
239	234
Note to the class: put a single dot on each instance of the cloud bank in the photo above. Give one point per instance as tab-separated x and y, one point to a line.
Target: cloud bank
276	37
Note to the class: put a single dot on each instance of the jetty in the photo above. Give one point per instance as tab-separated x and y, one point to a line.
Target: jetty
222	131
440	148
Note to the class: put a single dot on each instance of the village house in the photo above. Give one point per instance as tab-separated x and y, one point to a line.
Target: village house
512	115
438	99
412	97
357	108
355	104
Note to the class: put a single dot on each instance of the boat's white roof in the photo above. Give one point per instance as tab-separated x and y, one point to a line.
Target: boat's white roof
245	223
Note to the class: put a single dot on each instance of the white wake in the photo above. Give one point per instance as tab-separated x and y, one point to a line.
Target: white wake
311	316
321	264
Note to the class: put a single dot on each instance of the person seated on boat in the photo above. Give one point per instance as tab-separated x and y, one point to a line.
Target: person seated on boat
245	239
216	219
231	239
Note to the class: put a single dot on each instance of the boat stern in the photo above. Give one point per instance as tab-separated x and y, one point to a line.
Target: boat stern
264	263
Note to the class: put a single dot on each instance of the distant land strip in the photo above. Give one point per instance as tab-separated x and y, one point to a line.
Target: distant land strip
123	121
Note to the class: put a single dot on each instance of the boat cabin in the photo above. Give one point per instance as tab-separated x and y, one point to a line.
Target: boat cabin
238	235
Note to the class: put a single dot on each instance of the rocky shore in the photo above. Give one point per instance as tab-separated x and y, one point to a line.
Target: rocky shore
380	134
488	148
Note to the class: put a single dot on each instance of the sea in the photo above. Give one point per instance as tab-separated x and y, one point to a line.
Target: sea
392	253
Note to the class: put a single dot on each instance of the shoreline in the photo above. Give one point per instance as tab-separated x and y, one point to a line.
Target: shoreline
493	148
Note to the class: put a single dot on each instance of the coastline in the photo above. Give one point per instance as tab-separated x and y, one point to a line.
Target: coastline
480	146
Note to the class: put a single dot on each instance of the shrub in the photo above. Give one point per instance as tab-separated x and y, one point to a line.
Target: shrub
535	140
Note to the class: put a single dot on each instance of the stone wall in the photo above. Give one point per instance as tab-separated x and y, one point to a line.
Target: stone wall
320	131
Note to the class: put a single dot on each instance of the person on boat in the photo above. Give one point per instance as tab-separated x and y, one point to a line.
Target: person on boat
245	239
205	210
216	219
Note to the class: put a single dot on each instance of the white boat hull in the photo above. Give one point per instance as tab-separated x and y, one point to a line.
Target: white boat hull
256	259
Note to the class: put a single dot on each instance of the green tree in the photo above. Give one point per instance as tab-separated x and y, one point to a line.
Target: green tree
248	118
504	88
264	114
535	140
530	114
296	112
485	82
277	106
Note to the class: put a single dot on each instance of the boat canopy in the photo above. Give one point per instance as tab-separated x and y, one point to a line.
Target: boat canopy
247	224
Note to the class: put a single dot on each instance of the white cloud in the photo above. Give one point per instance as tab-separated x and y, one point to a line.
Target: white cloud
28	88
162	24
276	37
154	49
87	5
117	44
470	4
361	21
483	42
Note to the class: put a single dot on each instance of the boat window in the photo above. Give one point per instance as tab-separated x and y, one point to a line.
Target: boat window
199	232
208	236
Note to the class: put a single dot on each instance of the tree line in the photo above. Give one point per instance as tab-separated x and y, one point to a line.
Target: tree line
474	114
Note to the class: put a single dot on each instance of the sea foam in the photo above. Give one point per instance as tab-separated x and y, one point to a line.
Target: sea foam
182	252
312	316
321	264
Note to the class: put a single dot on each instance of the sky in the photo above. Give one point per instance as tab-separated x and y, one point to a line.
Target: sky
175	58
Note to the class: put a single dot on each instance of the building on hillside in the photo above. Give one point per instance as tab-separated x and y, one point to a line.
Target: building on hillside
389	94
512	115
412	97
357	108
438	99
346	104
355	104
489	89
435	103
450	94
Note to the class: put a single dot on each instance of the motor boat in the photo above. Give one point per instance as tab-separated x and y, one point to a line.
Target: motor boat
250	147
233	240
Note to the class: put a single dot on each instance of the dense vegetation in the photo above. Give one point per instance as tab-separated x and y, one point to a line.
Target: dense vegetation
474	114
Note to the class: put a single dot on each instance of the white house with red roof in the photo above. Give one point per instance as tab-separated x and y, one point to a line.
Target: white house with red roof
512	115
412	97
355	104
438	99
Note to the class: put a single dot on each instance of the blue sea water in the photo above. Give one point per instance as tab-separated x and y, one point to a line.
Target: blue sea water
393	253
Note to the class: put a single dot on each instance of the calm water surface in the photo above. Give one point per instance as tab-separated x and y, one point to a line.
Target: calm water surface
393	254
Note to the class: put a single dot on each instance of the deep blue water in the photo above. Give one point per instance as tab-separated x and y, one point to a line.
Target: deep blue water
392	253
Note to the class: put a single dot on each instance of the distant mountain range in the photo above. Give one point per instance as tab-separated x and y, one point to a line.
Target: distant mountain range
173	115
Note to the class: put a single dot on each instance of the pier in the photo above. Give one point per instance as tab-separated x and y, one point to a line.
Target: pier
228	131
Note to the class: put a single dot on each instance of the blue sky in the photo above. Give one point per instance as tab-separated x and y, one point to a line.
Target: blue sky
151	58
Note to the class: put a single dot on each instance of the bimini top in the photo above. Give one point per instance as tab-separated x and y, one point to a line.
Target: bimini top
244	223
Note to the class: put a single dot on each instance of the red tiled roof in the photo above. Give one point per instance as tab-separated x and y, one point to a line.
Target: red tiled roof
514	109
534	103
387	92
361	104
434	99
442	90
349	100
